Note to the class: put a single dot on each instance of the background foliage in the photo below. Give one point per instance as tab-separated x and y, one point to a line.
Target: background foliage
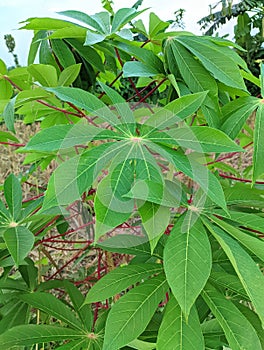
160	238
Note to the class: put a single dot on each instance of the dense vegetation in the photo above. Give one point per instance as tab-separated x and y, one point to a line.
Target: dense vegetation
160	237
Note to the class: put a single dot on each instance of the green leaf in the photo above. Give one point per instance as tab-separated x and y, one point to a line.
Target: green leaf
78	33
88	53
244	195
82	17
46	23
9	114
254	244
61	137
6	136
30	95
52	306
4	212
13	195
215	59
156	25
176	111
248	220
16	315
6	89
129	244
138	69
66	186
122	107
45	74
86	101
34	46
124	324
187	263
120	279
103	20
170	195
63	53
253	319
27	335
141	345
228	281
175	333
258	164
3	68
247	270
146	56
233	322
208	182
196	77
111	208
93	38
155	219
19	241
262	79
125	34
200	139
77	299
235	114
122	17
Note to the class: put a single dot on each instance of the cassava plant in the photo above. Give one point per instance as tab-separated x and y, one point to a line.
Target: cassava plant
169	252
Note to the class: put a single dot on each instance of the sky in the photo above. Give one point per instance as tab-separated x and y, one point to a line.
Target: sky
14	11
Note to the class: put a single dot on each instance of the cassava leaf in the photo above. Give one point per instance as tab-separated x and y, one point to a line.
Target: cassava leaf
247	270
258	164
187	263
125	324
27	335
52	306
231	320
19	241
13	195
120	279
175	333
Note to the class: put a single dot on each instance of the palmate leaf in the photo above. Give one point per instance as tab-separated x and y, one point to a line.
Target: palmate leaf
200	174
187	262
120	279
66	186
86	101
247	270
122	107
249	220
233	322
111	208
155	219
254	244
130	315
19	241
13	195
196	77
258	164
175	333
215	59
200	139
169	194
52	306
16	315
84	311
69	75
176	111
61	137
27	335
235	114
